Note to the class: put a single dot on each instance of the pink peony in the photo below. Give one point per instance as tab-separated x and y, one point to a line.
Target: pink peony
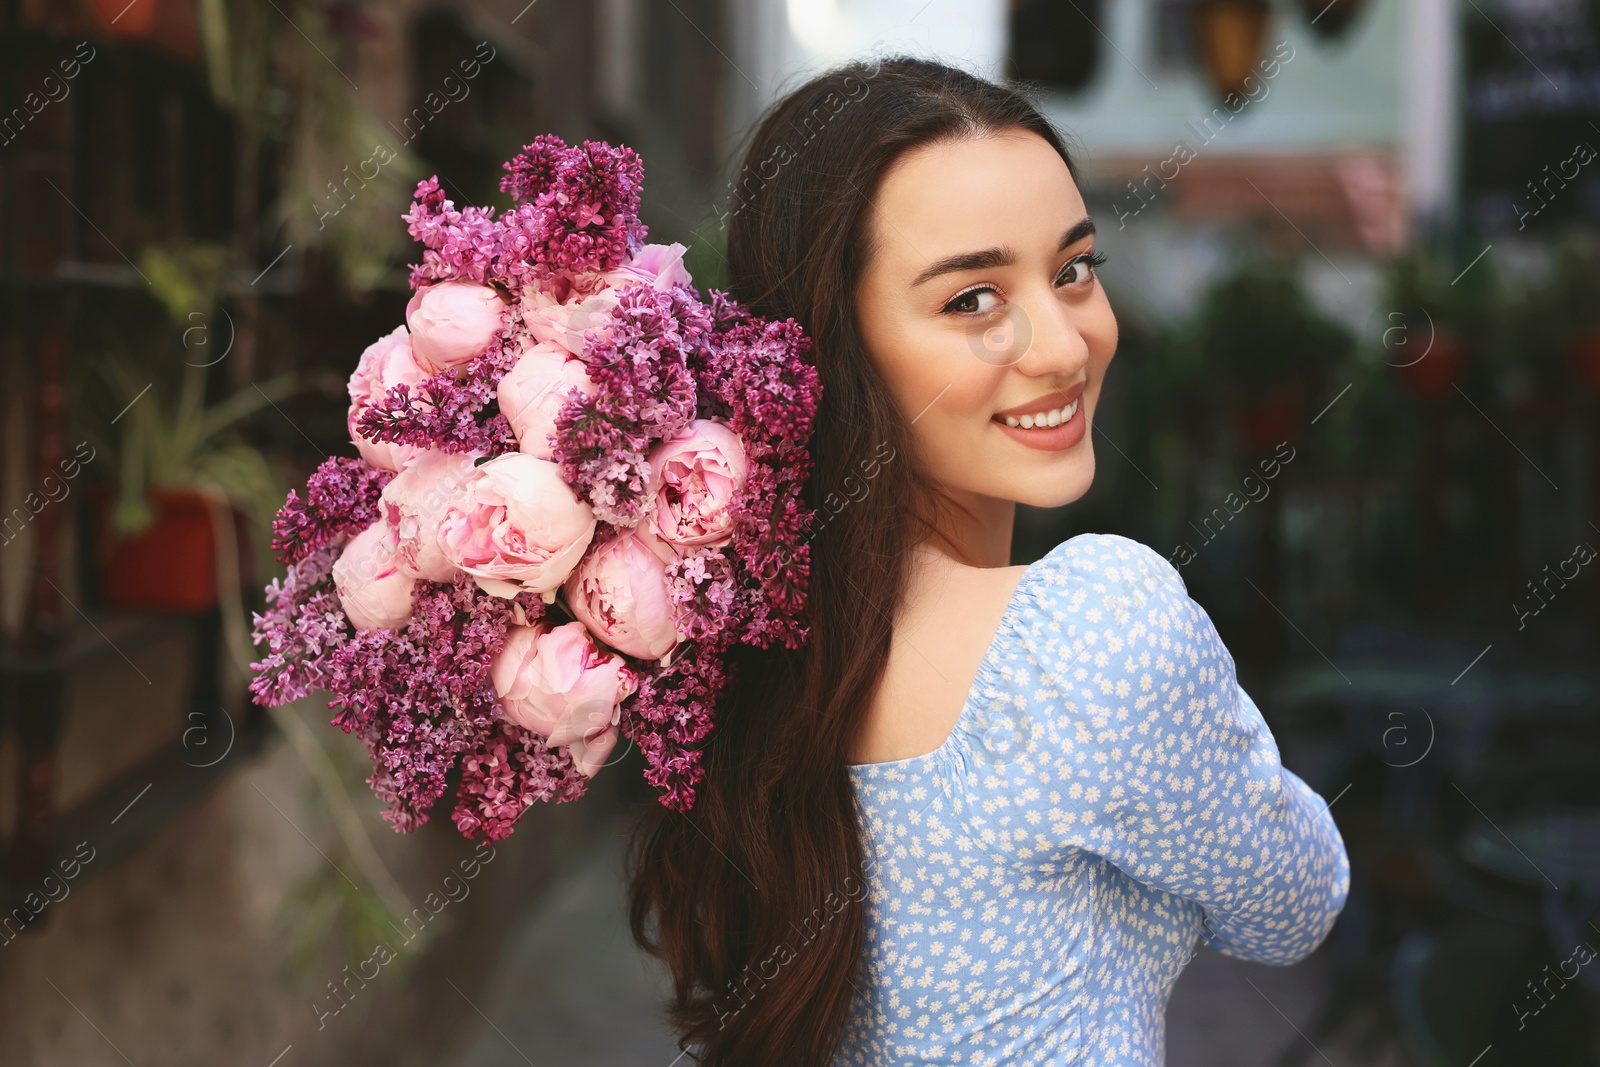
554	682
452	323
532	392
693	477
563	322
372	590
386	363
619	591
660	265
517	527
592	297
414	505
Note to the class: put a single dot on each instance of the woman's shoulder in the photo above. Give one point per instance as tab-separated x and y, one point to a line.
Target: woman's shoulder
1096	570
1105	602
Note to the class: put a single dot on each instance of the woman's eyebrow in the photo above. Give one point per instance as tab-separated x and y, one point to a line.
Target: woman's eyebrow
1000	256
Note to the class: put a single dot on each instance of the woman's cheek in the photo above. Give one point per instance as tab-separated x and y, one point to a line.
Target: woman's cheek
973	391
1107	333
922	364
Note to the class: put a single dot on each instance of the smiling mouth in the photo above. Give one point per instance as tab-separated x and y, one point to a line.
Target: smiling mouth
1042	419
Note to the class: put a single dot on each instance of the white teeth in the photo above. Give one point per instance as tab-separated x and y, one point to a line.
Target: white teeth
1044	418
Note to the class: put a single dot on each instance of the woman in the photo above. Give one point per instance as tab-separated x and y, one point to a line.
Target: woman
989	812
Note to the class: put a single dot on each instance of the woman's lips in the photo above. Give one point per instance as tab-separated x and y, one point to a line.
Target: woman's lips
1048	438
1049	401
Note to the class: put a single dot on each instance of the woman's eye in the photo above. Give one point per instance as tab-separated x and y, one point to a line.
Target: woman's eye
971	302
1080	269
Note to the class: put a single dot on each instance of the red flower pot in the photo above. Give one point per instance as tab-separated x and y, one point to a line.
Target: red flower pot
167	24
1583	359
171	565
124	19
1434	374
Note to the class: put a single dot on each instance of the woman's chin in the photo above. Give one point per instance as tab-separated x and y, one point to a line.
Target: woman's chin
1059	485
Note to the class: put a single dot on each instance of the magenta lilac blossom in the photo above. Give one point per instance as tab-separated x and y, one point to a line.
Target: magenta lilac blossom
341	499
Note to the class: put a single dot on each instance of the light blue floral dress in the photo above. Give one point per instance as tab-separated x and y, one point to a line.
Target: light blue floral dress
1109	801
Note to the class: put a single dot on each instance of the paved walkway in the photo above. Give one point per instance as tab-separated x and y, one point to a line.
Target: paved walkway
571	990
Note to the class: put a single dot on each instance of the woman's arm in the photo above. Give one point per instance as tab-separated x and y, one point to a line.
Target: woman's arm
1157	760
1292	872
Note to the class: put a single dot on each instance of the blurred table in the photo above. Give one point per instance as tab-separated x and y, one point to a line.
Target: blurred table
1562	848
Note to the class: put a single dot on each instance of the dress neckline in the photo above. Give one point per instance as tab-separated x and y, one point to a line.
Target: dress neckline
986	667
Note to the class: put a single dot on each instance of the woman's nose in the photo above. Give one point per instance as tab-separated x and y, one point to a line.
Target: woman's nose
1037	337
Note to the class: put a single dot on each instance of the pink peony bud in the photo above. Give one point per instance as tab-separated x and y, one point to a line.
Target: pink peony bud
452	323
517	527
372	591
414	505
386	363
693	477
533	391
554	682
619	591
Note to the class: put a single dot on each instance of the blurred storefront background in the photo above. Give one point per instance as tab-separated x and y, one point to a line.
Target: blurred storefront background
1354	249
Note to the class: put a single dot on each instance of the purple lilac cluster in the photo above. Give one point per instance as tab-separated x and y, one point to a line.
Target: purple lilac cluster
420	698
577	212
341	499
301	627
577	209
767	387
644	392
756	376
420	695
669	719
447	410
504	774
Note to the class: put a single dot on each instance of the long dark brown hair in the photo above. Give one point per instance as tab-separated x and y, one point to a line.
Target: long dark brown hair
757	893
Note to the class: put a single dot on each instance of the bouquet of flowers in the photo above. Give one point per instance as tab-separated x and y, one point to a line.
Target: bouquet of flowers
579	485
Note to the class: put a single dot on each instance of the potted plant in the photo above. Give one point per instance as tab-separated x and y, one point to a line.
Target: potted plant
183	474
1426	331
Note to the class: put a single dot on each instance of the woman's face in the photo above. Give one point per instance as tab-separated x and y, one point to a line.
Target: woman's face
982	309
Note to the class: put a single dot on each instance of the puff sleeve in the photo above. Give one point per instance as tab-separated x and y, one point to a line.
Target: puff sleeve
1142	748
